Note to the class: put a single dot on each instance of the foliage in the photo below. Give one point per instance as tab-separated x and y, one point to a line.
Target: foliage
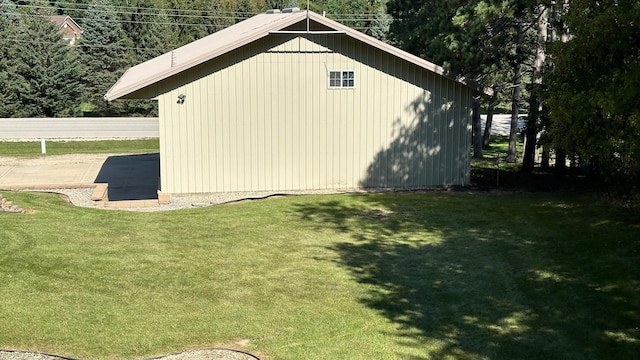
593	90
103	52
362	15
491	42
122	33
42	75
374	276
9	21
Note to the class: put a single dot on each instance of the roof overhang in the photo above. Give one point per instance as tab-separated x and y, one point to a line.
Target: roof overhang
210	47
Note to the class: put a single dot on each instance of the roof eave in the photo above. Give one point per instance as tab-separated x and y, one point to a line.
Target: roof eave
115	92
251	36
416	60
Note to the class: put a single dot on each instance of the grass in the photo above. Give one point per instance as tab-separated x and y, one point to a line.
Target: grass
375	276
496	153
33	148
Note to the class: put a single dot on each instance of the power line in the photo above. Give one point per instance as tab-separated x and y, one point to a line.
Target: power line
166	13
120	21
62	43
74	6
174	13
175	23
199	13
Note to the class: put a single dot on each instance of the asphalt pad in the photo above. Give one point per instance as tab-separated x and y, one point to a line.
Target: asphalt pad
131	177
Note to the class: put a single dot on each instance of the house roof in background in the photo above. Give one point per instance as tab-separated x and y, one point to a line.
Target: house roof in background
238	35
60	20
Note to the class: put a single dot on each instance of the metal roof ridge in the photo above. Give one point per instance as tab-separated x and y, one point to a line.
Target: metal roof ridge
282	20
251	30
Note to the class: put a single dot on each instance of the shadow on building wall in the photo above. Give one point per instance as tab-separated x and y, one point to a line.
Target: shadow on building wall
429	150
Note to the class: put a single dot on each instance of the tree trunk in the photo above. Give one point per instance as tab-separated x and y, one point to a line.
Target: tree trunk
515	101
528	160
477	129
535	104
486	140
546	155
561	162
531	132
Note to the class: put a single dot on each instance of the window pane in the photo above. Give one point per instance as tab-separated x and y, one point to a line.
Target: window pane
340	79
334	79
348	79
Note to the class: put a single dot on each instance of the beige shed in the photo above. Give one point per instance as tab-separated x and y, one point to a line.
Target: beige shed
295	101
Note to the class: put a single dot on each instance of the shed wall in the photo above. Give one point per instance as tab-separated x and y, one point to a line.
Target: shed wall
262	118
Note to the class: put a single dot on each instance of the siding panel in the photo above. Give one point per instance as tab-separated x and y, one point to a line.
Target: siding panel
263	118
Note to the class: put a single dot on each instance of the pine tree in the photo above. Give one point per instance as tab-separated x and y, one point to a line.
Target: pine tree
147	30
46	76
103	52
486	41
381	23
8	47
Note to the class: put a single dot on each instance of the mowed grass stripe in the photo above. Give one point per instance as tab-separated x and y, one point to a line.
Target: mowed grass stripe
382	276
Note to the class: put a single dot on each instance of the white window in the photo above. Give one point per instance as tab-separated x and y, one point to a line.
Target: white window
339	79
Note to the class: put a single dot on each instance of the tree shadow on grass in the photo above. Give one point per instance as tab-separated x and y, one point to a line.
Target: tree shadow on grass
492	283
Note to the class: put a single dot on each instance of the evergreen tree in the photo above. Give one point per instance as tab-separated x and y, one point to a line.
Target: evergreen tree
103	49
46	78
220	16
593	90
9	20
357	14
147	30
381	23
277	4
483	40
243	10
190	19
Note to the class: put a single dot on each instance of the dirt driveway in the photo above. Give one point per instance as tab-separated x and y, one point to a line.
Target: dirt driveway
130	177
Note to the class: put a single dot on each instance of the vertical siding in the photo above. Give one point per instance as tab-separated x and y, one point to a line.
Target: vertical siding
263	119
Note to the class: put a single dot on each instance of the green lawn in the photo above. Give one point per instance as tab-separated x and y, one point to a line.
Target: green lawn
377	276
32	148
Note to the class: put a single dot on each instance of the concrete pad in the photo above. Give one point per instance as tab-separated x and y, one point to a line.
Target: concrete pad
129	177
52	170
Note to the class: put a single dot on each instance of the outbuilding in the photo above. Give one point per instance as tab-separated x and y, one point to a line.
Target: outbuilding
291	100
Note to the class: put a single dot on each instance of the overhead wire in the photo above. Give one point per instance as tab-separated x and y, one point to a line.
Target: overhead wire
61	43
198	13
108	6
172	14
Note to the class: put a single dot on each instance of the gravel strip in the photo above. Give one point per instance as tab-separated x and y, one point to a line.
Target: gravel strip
205	354
82	197
23	355
212	354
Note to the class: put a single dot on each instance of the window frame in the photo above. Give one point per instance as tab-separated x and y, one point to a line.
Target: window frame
343	79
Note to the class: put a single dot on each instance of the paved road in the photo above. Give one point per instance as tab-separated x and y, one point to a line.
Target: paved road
78	128
109	128
501	124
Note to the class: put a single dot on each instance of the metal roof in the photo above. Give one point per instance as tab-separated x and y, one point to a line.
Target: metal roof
240	34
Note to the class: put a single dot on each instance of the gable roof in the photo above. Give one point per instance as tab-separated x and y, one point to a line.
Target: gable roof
61	20
238	35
